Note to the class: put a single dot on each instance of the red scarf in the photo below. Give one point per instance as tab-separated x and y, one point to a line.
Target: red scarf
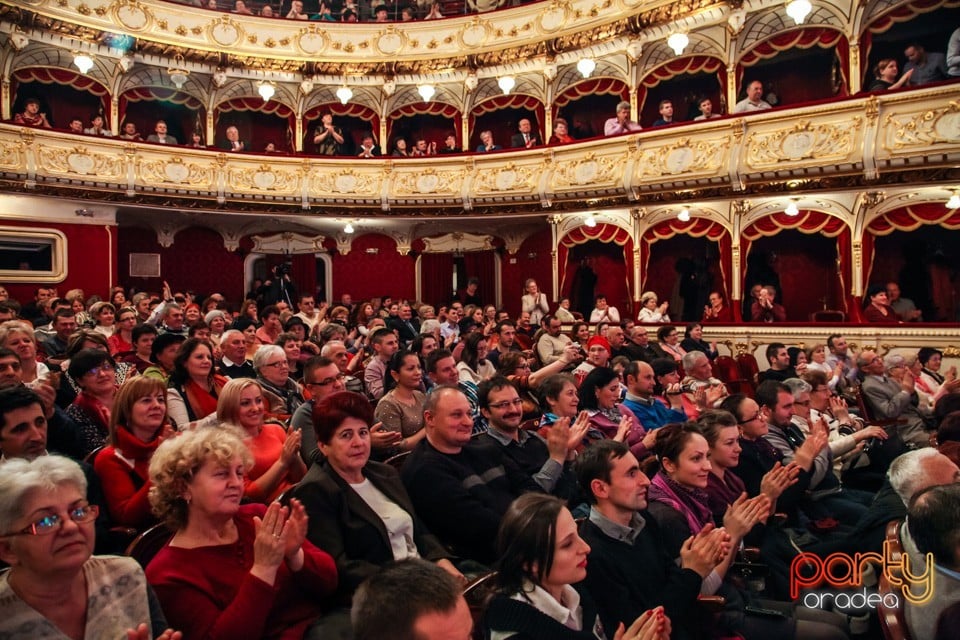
133	448
201	401
95	409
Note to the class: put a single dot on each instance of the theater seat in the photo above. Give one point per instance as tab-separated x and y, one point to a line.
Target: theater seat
146	545
477	594
397	461
749	369
892	621
828	315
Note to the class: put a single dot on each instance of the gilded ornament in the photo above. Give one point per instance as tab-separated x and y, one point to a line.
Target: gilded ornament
225	32
312	40
83	9
134	16
923	128
805	141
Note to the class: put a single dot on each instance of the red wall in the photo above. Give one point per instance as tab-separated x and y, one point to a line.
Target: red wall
803	259
512	276
89	250
365	275
197	260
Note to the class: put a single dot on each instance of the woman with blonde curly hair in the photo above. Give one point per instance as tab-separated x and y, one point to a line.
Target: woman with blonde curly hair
231	570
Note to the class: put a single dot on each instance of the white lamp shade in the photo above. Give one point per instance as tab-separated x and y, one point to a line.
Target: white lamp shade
684	215
266	91
586	66
83	62
507	83
590	221
953	202
344	94
792	209
426	91
678	42
799	10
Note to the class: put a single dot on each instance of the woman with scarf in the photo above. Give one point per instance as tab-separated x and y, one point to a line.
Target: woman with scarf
600	398
281	394
93	372
138	424
193	387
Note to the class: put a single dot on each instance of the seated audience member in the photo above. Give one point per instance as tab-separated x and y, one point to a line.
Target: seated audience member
877	310
638	347
359	510
700	389
422	149
196	141
706	110
640	399
432	606
281	394
31	116
96	127
18	336
460	494
620	123
603	312
327	137
629	569
55	586
93	371
905	309
385	344
599	395
240	8
779	360
842	358
441	370
138	424
616	337
400	148
598	355
368	147
541	556
474	367
890	399
160	135
506	333
75	126
64	324
400	410
754	100
321	378
651	311
194	387
121	341
924	67
276	579
527	138
665	109
765	309
515	366
817	361
232	141
296	11
559	399
233	363
129	132
486	142
545	459
931	360
933	521
276	454
553	342
563	311
163	353
718	310
560	133
885	76
693	341
668	341
450	144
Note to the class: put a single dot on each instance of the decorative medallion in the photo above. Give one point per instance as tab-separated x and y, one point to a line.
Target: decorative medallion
175	171
312	41
224	32
132	16
81	163
264	179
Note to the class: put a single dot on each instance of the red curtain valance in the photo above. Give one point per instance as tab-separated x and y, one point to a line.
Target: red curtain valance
49	75
425	108
592	87
513	101
911	218
906	12
351	109
681	66
809	222
805	38
696	228
255	104
602	232
163	94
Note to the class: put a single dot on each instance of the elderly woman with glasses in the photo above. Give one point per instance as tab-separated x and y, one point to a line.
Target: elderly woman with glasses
282	394
277	465
56	588
231	571
93	371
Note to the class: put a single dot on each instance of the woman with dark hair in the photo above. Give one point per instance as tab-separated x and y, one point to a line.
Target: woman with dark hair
877	310
248	328
104	317
600	398
541	557
401	408
693	341
885	76
163	353
668	341
580	333
94	373
122	339
559	398
515	367
359	510
474	367
193	386
930	375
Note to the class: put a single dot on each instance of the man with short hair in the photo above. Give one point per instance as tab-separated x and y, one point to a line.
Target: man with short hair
700	389
308	312
639	347
552	342
754	100
506	332
893	400
926	67
640	398
779	361
450	144
8	310
621	123
665	108
411	600
172	320
460	492
336	350
160	135
765	309
840	354
904	307
628	563
385	344
406	326
527	138
451	327
64	324
616	337
271	328
706	110
234	363
321	378
441	370
76	126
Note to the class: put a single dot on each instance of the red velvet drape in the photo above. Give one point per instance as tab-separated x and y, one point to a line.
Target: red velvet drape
143	106
615	285
695	228
905	219
447	111
259	122
436	278
687	65
480	264
502	115
802	38
63	94
590	101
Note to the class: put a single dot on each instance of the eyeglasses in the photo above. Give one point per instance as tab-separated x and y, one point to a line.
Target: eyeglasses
755	416
52	523
516	402
326	381
104	368
283	364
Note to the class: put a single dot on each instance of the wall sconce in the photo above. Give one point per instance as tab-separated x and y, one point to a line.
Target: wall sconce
348	228
953	202
591	221
178	74
586	66
678	42
792	210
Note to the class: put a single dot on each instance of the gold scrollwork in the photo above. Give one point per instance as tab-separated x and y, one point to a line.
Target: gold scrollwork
261	179
428	182
80	161
508	178
804	141
176	171
922	128
345	182
686	155
586	171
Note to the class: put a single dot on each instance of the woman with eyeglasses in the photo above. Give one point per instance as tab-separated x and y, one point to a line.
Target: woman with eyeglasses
401	408
93	371
280	392
668	340
56	587
277	465
121	342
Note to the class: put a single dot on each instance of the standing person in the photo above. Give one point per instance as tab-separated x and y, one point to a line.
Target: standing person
534	302
925	67
953	54
31	116
327	137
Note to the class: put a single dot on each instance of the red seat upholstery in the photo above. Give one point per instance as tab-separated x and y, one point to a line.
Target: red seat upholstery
749	369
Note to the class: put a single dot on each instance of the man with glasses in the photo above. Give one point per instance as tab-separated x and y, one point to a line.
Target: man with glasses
336	350
321	378
542	459
890	399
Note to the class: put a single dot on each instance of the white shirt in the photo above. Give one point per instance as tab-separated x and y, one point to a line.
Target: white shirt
398	522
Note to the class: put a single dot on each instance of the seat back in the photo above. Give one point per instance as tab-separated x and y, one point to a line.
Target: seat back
892	620
725	368
749	369
828	315
90	457
477	594
397	461
146	545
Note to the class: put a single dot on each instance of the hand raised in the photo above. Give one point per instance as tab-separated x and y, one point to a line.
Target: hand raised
291	447
142	632
269	545
294	529
381	437
653	624
744	514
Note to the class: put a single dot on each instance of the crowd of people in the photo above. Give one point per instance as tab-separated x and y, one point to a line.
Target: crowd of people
305	460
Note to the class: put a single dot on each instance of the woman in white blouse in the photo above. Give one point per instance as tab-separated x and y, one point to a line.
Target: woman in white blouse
534	302
650	311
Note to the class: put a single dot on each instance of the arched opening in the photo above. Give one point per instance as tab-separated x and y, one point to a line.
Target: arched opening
588	104
354	120
502	114
144	106
927	23
63	95
259	123
684	81
432	121
798	66
684	270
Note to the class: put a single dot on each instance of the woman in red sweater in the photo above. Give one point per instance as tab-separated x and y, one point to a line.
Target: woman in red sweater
138	424
231	571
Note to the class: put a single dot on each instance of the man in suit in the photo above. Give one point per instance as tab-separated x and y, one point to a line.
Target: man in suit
233	141
160	135
892	399
527	138
407	327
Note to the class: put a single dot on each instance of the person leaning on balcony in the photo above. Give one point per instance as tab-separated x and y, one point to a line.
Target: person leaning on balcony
560	133
621	123
885	76
31	115
706	110
160	135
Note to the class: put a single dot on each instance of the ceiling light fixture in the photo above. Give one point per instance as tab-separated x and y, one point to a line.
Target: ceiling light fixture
348	228
83	62
426	91
591	221
266	90
792	209
178	74
506	84
799	10
678	42
684	215
344	94
953	202
586	66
